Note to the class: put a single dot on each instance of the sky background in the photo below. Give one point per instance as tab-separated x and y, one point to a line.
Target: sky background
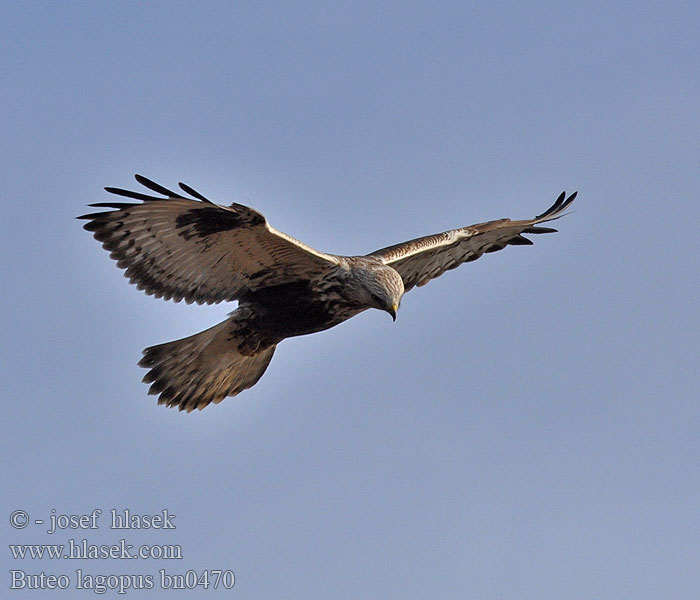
528	428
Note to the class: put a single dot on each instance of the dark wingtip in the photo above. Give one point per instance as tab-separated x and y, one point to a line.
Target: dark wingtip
561	204
115	205
156	187
570	199
519	240
130	194
540	230
192	192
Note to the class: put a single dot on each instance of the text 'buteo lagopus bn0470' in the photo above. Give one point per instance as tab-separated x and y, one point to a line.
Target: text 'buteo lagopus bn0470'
191	249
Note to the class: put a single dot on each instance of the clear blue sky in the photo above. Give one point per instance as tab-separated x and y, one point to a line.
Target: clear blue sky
529	427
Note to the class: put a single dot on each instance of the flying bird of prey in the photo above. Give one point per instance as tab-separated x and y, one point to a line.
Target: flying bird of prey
191	249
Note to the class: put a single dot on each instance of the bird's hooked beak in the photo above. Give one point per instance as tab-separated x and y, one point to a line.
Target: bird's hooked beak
392	311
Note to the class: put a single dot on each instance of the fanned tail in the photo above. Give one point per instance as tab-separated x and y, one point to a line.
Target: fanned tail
203	368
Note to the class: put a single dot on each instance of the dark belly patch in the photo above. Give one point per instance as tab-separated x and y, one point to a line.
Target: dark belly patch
291	309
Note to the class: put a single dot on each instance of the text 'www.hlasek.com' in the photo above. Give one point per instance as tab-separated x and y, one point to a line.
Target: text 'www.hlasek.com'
81	547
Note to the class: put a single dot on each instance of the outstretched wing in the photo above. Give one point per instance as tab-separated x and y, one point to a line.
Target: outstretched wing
420	260
193	249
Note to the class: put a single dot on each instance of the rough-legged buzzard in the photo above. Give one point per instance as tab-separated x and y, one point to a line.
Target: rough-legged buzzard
191	249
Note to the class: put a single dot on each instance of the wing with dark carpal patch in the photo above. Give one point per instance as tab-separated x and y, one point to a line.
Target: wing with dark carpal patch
192	249
420	260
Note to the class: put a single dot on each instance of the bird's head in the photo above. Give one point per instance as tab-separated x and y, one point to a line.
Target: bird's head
384	289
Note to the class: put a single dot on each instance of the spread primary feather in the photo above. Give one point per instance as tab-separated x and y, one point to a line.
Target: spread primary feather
191	249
